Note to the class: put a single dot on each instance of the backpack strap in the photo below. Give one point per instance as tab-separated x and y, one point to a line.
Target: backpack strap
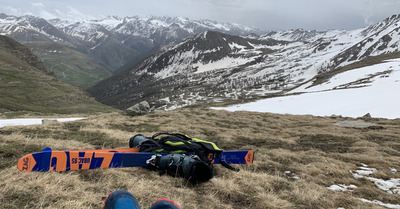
209	147
184	137
226	165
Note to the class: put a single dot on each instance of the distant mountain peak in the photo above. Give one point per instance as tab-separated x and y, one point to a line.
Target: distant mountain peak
113	40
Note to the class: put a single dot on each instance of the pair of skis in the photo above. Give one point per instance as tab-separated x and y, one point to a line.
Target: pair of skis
74	160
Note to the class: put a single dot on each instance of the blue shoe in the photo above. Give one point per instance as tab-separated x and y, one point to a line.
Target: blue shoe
164	204
121	200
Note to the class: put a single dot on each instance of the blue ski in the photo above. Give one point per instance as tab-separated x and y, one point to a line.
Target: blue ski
48	160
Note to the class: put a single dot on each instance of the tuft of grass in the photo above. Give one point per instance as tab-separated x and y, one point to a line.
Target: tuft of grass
20	198
10	152
325	143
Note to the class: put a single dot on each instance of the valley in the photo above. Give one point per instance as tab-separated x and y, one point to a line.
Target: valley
204	79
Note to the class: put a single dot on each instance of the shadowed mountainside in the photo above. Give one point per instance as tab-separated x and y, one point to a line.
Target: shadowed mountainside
26	85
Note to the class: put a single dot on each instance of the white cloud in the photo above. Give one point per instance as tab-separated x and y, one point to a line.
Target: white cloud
10	10
42	12
38	5
72	14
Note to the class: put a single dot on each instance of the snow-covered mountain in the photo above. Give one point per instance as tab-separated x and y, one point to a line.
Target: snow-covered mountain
113	40
202	61
146	26
212	66
30	28
104	47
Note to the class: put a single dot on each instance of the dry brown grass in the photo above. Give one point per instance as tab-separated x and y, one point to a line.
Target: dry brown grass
315	151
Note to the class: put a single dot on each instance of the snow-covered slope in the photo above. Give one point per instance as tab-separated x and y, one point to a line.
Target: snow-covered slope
32	121
148	26
201	68
212	66
30	28
354	93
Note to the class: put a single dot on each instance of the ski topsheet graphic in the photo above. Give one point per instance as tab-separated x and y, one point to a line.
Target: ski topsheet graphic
73	160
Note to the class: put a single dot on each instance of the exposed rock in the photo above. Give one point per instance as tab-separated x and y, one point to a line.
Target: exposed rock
366	117
357	124
336	116
141	108
47	121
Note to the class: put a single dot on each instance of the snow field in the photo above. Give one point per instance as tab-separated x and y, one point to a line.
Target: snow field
31	121
371	89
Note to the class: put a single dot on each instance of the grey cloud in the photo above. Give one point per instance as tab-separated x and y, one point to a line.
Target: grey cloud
266	14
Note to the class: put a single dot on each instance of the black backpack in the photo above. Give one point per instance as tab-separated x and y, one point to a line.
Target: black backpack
175	144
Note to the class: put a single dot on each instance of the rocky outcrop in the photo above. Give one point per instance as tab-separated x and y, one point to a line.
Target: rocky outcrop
141	108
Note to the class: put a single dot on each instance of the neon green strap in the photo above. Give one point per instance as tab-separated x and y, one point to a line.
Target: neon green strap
212	143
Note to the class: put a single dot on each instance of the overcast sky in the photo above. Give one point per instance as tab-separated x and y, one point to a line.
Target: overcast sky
264	14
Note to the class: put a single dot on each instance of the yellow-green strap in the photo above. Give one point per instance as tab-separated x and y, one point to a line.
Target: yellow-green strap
212	143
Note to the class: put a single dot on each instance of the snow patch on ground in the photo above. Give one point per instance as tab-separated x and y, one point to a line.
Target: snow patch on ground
226	62
354	93
31	121
388	205
364	170
343	187
391	186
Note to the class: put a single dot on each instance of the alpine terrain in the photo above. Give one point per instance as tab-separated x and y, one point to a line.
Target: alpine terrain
105	46
300	161
213	66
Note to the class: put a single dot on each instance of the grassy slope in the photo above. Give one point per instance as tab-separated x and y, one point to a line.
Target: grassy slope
24	88
312	148
69	65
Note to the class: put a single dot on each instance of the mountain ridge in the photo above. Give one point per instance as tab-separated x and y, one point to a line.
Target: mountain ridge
211	66
21	52
243	67
112	41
